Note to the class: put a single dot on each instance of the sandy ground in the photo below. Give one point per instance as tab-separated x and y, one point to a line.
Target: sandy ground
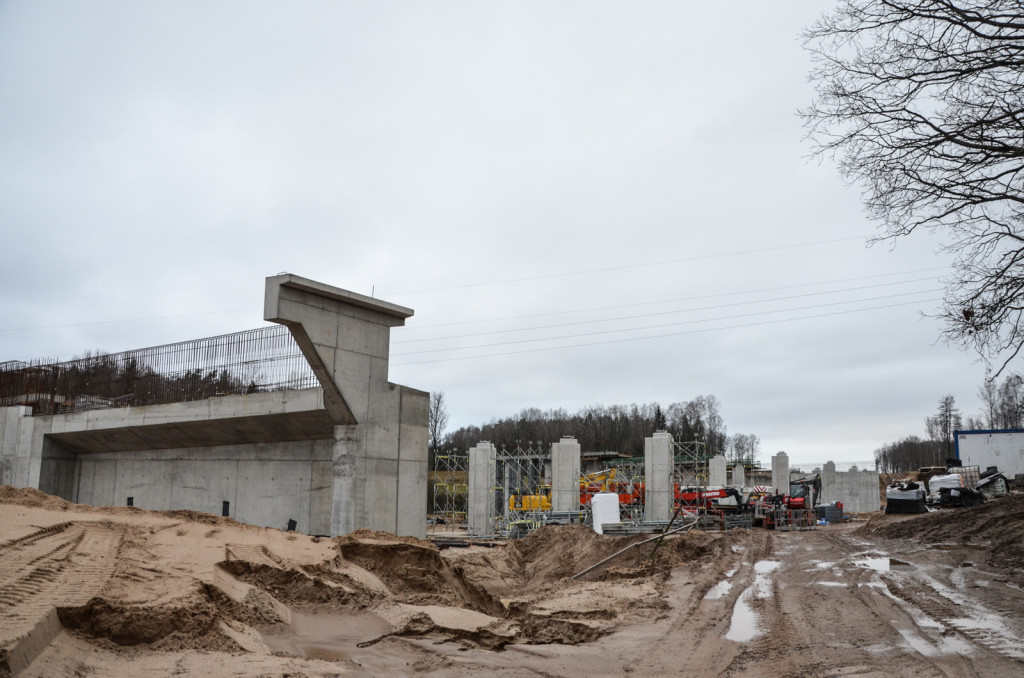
179	593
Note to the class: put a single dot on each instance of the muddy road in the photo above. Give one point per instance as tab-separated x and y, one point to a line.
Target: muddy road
92	591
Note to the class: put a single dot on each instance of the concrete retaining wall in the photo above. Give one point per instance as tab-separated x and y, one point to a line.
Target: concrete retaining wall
264	485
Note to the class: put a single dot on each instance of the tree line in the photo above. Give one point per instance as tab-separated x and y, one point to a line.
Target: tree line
1003	408
600	428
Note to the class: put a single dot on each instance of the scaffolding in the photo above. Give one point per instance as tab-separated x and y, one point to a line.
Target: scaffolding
690	464
449	482
522	490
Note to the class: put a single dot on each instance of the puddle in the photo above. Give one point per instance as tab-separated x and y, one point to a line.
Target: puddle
329	636
992	632
830	583
885	564
743	627
876	564
718	590
766	566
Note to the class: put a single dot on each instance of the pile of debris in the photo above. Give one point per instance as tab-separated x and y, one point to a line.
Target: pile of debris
945	487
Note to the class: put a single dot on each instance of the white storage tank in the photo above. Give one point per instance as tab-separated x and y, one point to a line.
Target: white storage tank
604	508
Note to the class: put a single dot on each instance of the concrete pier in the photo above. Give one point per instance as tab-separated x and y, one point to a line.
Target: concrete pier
658	460
481	481
780	472
738	476
716	471
565	475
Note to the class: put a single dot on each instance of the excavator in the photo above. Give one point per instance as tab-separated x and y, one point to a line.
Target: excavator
699	498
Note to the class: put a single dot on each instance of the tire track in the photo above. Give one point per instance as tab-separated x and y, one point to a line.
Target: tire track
66	564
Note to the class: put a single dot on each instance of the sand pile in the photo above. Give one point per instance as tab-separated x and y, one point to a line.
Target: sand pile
183	580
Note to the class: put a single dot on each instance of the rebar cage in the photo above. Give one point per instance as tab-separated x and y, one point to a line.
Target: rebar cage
252	361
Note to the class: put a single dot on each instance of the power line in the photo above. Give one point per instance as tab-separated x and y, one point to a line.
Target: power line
125	320
678	299
674	324
624	267
659	313
661	336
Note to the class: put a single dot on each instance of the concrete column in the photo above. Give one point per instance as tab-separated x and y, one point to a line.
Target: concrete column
716	471
565	475
780	472
658	477
829	491
738	476
481	483
11	419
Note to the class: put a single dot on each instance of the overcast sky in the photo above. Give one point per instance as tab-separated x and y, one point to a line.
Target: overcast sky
584	203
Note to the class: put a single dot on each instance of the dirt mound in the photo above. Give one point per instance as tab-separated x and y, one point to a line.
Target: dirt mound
559	551
27	496
997	524
191	625
413	570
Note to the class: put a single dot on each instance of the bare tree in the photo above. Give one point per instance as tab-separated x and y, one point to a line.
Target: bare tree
743	448
922	102
941	426
437	420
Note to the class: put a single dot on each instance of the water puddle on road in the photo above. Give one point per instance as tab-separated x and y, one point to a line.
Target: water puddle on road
718	590
876	564
744	626
884	564
745	623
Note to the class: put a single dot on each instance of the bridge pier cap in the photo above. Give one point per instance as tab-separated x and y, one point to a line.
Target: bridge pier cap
345	336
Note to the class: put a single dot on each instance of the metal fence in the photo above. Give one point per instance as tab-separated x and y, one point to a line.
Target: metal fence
253	361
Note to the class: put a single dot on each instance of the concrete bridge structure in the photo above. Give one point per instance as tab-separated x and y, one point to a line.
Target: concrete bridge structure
349	454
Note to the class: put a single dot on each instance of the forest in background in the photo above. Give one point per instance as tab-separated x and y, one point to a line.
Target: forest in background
600	428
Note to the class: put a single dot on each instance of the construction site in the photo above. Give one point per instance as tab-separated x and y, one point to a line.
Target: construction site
263	503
